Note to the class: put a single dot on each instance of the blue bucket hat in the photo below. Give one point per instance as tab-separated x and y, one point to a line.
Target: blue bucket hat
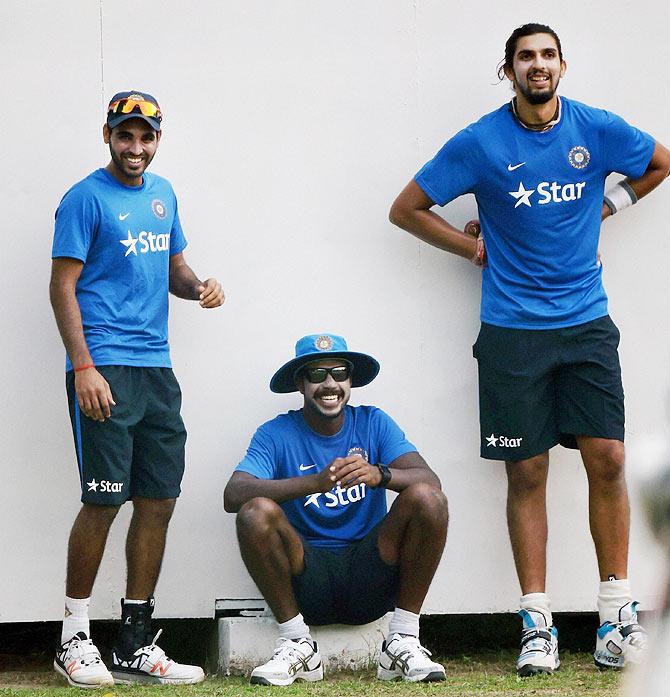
324	346
134	105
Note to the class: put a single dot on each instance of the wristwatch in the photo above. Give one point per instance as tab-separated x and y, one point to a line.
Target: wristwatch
386	476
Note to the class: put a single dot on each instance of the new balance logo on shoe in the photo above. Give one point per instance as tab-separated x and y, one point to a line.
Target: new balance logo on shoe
78	661
149	664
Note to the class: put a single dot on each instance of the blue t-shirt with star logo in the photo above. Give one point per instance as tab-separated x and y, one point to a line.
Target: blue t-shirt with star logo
287	447
125	236
539	198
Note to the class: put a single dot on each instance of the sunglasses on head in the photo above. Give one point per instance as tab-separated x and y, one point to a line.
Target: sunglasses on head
339	373
128	106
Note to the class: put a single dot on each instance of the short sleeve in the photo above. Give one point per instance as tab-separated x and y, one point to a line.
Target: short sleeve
260	460
452	172
177	238
627	149
391	440
77	221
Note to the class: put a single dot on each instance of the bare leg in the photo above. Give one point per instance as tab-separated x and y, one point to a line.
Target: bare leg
609	512
145	545
86	547
527	520
413	535
272	552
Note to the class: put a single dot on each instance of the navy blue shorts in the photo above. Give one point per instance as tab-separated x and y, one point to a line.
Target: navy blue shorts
542	387
139	450
351	585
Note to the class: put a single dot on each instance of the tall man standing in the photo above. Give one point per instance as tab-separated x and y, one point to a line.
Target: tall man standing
117	251
312	521
547	350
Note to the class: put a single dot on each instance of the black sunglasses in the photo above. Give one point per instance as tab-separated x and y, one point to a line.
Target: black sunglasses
339	373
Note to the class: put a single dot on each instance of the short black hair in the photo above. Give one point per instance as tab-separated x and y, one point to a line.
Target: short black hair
524	30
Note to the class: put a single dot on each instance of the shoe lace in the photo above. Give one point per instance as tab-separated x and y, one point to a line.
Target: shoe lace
415	652
536	643
286	650
83	649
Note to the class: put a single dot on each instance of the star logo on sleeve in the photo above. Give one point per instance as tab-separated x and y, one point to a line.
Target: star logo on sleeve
131	243
522	195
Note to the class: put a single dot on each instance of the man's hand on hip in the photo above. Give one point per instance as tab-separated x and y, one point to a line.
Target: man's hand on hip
93	394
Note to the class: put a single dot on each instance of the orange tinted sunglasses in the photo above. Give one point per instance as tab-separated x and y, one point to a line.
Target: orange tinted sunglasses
128	106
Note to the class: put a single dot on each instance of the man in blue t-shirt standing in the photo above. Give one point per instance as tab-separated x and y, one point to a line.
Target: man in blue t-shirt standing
117	252
547	350
312	521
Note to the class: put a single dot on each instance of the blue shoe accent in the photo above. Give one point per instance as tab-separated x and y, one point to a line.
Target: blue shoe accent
604	629
528	622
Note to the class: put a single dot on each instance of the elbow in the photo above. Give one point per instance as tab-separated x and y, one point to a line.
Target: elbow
231	503
396	216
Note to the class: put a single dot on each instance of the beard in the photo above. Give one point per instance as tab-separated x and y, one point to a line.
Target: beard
541	97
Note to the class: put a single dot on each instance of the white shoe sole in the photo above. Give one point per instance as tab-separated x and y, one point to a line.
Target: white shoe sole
125	677
105	682
431	676
309	676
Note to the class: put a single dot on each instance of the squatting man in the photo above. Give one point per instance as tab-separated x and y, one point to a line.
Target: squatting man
312	520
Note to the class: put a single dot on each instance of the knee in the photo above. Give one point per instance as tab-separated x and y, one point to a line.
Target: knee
527	476
99	517
156	512
257	517
606	463
426	502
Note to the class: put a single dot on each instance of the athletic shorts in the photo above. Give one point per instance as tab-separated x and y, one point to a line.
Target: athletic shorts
542	387
139	450
350	585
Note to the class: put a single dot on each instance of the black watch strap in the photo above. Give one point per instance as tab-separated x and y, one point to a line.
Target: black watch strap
386	476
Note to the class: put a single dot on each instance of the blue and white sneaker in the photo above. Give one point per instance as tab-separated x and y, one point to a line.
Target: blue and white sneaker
621	643
539	645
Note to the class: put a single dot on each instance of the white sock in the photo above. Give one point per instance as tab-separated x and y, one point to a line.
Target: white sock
612	596
128	601
404	622
540	603
76	618
294	628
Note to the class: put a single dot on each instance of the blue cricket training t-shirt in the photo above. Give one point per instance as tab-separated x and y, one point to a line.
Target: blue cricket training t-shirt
540	196
125	236
287	447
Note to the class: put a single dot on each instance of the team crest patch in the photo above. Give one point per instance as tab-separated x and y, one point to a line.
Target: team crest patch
358	451
323	343
579	157
158	207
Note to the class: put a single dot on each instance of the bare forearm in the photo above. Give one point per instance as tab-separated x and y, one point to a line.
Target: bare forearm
184	283
239	491
68	318
402	478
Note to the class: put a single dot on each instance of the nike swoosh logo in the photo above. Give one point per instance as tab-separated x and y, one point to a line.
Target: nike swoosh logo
306	467
511	168
123	217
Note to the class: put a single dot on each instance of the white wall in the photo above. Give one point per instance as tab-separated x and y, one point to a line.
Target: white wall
289	128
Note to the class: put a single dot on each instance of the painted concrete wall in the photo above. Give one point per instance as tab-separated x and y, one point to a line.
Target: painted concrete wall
289	128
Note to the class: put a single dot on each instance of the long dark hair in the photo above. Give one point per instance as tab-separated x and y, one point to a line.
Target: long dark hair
525	30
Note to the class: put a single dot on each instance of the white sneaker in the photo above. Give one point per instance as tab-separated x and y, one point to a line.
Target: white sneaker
78	661
404	657
539	645
149	664
292	660
621	643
